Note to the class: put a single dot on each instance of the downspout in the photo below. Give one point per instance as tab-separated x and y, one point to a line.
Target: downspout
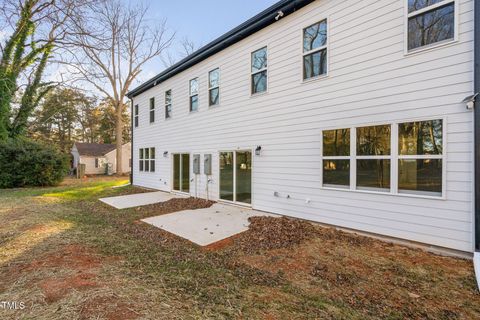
476	256
131	141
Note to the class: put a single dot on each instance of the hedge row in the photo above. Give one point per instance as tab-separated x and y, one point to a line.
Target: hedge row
27	163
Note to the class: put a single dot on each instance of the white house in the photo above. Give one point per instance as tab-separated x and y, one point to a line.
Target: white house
96	156
349	113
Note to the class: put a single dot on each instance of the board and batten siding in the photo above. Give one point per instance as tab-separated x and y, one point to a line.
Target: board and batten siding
370	81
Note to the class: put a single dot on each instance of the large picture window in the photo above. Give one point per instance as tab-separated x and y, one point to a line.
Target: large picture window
411	161
259	71
430	22
315	50
146	159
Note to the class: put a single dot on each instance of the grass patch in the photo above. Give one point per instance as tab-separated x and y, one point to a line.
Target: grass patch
87	192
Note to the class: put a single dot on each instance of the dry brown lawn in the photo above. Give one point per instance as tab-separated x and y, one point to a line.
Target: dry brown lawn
65	255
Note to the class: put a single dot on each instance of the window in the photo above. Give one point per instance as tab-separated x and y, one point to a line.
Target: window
315	50
194	94
168	104
214	87
147	160
96	162
420	159
141	159
136	115
259	71
336	158
403	158
152	110
373	157
430	22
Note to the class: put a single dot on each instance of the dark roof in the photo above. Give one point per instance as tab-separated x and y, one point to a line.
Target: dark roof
249	27
94	149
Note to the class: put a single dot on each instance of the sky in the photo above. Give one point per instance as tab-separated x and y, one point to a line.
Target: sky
201	21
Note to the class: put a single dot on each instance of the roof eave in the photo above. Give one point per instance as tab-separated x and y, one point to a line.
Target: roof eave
251	26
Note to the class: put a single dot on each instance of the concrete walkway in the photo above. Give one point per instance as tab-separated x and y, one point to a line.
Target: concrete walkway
206	226
140	199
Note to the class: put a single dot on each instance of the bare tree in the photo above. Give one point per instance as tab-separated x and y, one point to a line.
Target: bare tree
188	47
35	29
113	44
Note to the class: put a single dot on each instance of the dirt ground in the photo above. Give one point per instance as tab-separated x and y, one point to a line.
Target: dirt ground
66	255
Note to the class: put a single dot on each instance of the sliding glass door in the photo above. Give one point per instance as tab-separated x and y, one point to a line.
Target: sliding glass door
236	176
181	172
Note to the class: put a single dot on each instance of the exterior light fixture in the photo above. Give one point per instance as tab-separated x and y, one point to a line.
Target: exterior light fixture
470	101
165	154
258	150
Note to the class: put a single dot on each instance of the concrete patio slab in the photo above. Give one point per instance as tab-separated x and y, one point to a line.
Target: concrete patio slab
206	226
140	199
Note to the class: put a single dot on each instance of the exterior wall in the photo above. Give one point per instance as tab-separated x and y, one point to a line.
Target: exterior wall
126	155
90	165
370	81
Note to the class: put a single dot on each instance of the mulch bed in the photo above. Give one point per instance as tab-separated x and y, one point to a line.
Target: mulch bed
267	233
173	205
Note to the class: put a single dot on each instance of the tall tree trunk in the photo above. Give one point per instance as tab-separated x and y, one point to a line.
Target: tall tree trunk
119	137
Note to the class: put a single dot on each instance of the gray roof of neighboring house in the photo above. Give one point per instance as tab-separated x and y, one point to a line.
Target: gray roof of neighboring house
249	27
94	149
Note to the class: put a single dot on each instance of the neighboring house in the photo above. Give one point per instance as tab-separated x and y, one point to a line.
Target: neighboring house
96	156
349	113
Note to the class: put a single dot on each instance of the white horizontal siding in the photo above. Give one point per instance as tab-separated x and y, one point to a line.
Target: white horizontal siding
370	80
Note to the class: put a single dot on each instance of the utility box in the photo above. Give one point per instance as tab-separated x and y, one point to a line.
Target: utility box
207	164
196	164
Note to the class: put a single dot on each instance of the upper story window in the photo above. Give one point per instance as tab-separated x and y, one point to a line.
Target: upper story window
152	110
135	115
168	104
194	94
315	50
259	71
430	22
214	87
